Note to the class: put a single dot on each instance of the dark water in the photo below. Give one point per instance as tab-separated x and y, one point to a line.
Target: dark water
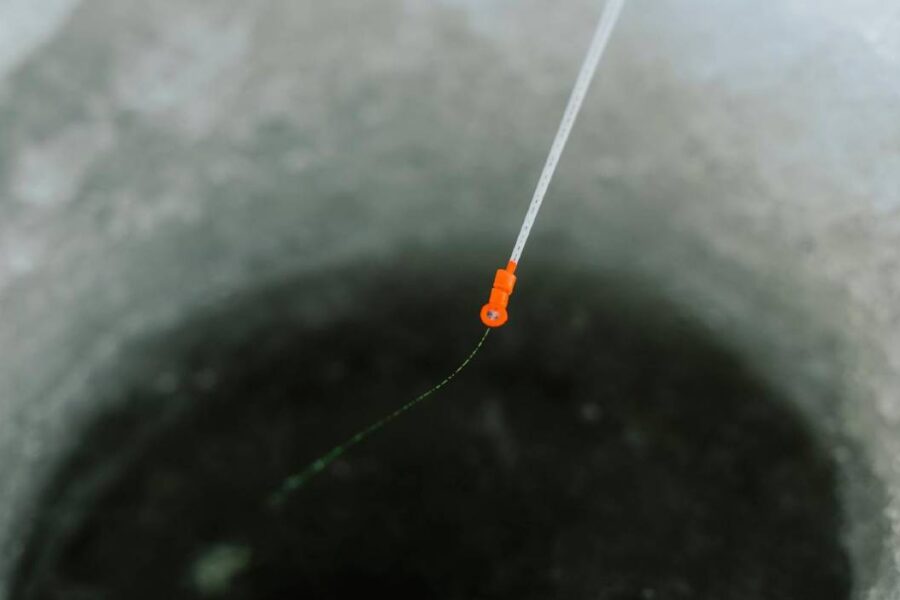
600	447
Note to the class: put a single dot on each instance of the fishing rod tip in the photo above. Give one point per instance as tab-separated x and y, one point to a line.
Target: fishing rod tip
494	314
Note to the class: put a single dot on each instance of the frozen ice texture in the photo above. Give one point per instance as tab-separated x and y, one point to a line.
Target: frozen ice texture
743	157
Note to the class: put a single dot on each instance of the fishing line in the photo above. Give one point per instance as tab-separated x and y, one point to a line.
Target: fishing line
301	478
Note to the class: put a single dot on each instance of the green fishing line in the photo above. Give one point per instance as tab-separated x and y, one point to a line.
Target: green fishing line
301	478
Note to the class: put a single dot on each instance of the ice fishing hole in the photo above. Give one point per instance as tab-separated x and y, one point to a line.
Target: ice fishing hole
601	447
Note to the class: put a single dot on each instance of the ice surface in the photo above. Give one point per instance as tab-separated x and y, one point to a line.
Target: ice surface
743	158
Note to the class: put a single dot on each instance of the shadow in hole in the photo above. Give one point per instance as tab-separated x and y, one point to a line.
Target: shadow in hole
601	447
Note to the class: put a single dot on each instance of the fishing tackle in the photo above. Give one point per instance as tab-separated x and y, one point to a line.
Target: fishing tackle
494	313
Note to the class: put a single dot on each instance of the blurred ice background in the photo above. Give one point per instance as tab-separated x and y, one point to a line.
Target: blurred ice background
743	156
